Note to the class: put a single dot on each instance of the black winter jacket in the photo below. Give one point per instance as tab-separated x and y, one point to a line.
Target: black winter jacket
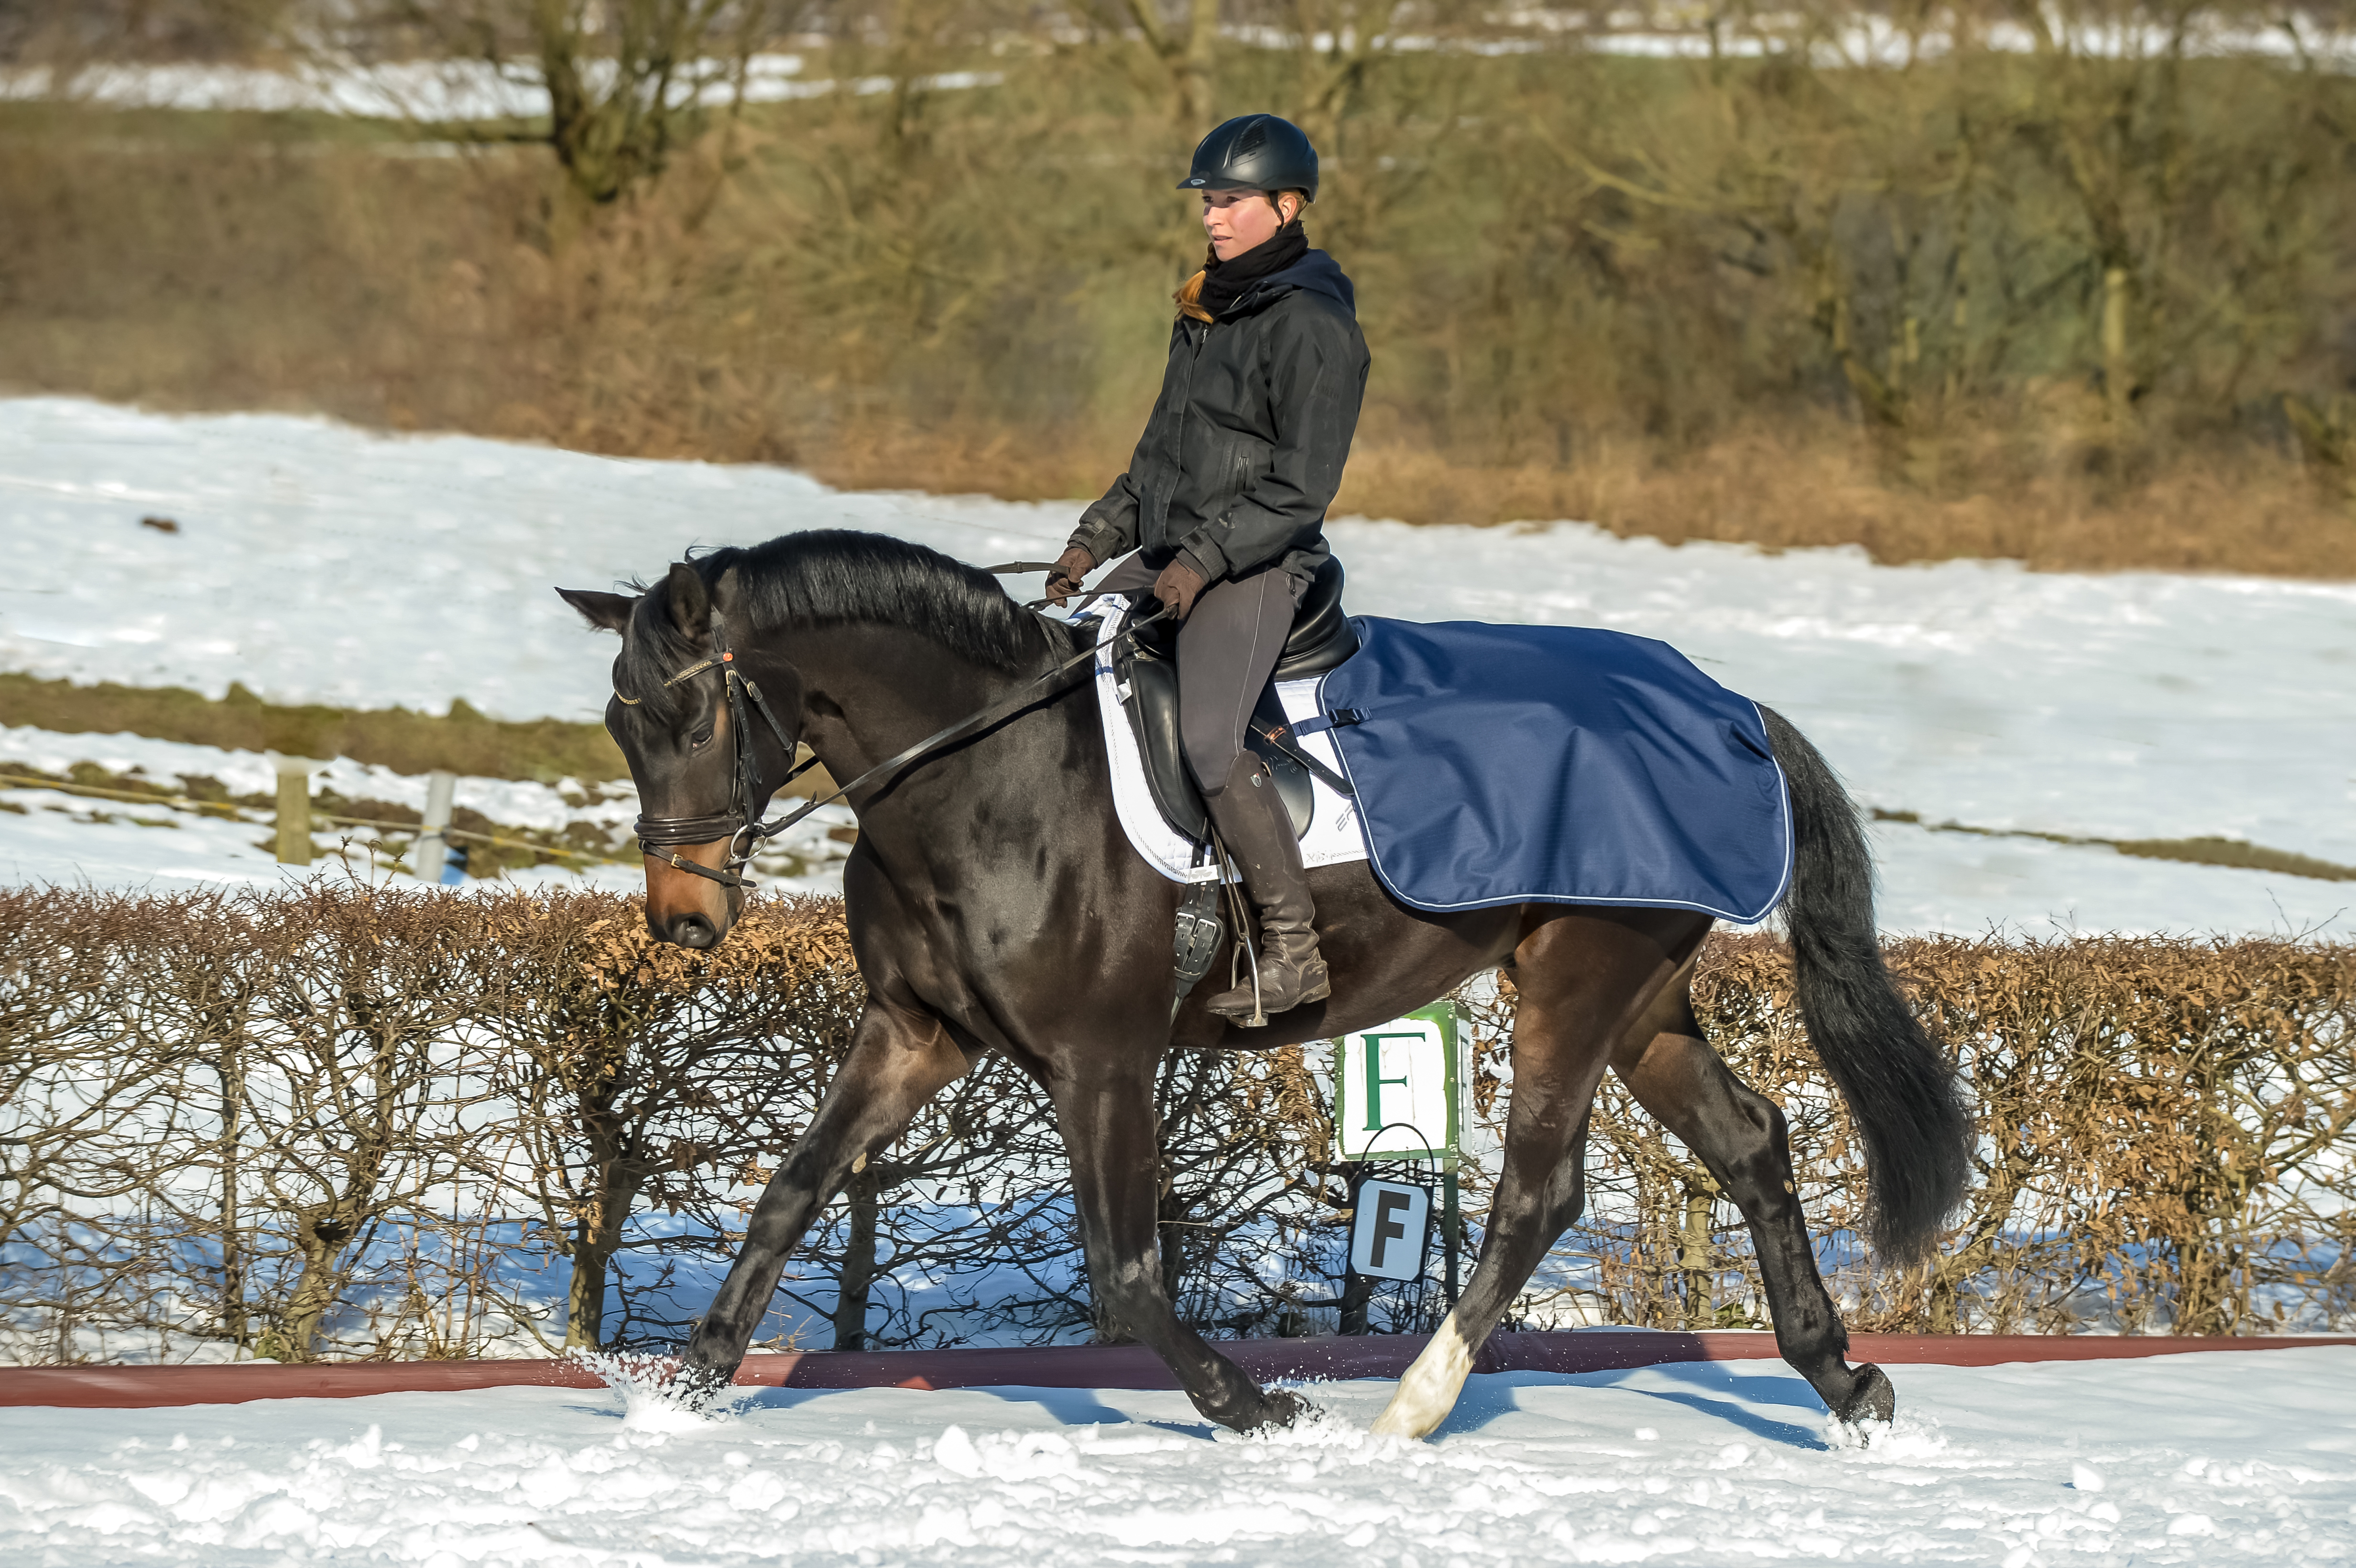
1244	449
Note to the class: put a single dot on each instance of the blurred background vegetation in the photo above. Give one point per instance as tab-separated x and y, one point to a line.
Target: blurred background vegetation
2073	283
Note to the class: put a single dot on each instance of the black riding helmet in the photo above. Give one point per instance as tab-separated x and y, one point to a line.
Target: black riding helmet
1255	151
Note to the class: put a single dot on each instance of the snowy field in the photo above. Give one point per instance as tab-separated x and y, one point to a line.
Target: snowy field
431	91
317	562
2218	1459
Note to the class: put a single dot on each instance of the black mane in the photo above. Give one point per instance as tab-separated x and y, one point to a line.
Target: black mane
835	577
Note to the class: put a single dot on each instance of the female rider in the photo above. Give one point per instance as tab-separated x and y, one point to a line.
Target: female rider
1225	504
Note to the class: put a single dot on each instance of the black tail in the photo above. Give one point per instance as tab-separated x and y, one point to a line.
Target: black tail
1901	1092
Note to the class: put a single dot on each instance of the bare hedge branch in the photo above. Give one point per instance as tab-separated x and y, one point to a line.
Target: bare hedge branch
368	1122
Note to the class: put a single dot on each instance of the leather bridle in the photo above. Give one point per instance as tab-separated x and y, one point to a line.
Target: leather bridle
740	824
658	836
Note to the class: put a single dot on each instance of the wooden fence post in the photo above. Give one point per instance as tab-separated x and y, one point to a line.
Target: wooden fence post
431	861
293	806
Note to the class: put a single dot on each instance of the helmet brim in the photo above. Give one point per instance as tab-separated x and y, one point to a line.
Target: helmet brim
1201	182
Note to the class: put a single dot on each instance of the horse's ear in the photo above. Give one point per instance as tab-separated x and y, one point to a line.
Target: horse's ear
605	612
690	602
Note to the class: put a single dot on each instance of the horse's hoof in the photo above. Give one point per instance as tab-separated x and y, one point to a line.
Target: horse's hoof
1282	1409
1871	1400
696	1387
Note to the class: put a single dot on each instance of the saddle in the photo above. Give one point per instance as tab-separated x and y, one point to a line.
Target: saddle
1147	671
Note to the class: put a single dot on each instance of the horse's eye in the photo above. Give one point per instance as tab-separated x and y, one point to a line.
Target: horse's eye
702	741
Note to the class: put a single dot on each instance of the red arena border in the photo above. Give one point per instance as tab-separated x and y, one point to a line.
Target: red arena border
1077	1366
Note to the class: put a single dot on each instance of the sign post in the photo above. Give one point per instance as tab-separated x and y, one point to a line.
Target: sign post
1448	1230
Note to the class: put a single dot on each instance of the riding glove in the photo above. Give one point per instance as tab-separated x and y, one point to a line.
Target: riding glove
1065	580
1177	587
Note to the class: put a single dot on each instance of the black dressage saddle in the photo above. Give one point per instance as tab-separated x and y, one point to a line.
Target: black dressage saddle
1147	671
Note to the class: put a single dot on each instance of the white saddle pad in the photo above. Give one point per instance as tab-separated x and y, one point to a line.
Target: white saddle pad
1334	835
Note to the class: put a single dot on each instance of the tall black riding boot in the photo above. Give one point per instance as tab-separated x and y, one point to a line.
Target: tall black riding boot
1258	834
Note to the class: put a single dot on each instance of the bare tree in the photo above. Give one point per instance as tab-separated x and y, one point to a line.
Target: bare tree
628	81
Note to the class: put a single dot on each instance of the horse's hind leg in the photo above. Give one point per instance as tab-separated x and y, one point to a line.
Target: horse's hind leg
1584	979
1739	1136
897	1061
1109	1128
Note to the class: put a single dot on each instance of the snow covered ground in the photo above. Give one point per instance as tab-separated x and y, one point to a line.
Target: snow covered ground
317	562
2220	1459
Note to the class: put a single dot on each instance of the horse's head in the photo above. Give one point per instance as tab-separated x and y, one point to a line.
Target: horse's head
703	772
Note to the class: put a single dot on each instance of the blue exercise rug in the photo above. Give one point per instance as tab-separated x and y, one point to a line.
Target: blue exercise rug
1513	764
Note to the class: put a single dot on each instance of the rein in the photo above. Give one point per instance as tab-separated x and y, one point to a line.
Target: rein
740	822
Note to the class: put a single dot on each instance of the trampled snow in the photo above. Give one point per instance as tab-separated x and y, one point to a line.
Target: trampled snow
318	563
2220	1459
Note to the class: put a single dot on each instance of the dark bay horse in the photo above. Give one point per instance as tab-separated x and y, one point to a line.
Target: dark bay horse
995	905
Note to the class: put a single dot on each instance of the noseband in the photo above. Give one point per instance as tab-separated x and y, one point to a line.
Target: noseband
740	824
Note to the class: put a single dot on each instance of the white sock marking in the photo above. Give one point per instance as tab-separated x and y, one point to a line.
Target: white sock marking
1428	1392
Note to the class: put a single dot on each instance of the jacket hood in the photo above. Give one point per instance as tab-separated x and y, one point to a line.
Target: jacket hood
1315	272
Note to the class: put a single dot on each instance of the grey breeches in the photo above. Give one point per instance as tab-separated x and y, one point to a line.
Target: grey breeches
1226	650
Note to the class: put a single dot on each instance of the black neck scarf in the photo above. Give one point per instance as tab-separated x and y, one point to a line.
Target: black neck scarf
1224	283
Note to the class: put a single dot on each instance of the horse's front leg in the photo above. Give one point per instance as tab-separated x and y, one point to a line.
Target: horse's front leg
897	1060
1109	1131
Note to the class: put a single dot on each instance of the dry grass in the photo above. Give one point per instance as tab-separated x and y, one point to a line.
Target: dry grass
1809	484
461	742
2203	851
1821	484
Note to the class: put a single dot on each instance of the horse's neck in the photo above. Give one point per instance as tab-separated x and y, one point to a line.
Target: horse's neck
870	692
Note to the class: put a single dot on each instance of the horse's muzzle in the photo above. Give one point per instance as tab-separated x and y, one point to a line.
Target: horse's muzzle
690	931
689	911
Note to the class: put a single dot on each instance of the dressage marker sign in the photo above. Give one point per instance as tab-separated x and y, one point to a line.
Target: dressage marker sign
1390	1232
1399	1098
1397	1090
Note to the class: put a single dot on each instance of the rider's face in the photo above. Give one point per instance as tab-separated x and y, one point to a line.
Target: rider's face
1236	220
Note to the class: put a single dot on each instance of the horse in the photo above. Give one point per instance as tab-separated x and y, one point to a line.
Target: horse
995	905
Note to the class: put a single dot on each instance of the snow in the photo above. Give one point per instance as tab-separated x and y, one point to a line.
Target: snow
430	91
317	562
427	92
2220	1458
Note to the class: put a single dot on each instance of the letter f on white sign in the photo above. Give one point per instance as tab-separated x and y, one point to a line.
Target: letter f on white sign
1388	1228
1374	1079
1390	1212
